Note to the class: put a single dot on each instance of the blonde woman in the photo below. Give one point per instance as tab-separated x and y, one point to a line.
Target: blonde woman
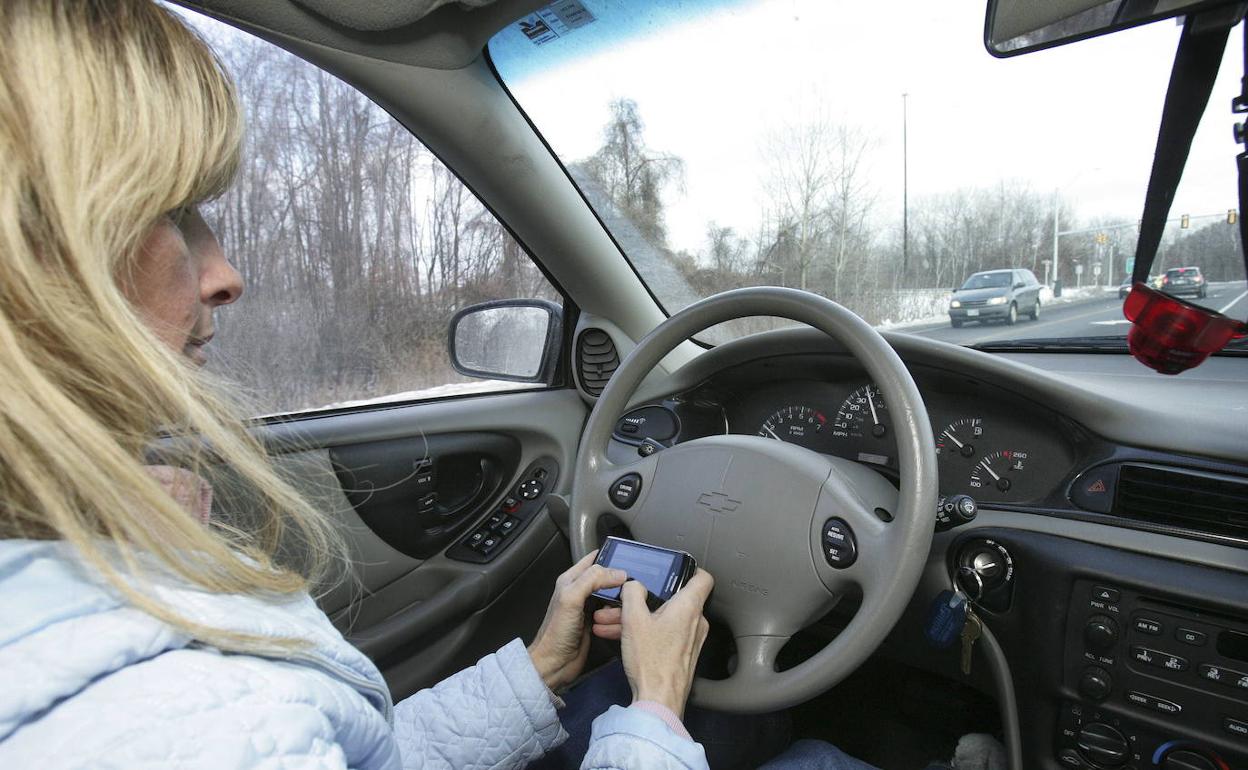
132	633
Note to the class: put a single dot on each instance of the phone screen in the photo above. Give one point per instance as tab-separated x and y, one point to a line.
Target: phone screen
656	568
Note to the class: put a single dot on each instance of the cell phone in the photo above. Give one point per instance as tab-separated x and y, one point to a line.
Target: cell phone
662	571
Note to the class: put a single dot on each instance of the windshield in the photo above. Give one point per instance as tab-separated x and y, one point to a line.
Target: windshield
987	281
876	154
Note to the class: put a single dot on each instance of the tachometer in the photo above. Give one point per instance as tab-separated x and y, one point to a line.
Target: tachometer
958	437
795	424
999	470
862	414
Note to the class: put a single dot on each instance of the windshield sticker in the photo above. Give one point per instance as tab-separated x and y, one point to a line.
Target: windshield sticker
554	21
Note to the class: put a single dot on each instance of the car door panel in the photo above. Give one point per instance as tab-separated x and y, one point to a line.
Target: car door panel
416	612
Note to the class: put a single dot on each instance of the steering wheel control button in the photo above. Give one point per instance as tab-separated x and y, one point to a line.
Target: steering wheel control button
1158	659
625	490
1149	626
840	547
1188	636
531	489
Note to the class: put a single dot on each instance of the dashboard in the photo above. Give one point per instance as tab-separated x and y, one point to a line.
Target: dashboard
990	444
1116	499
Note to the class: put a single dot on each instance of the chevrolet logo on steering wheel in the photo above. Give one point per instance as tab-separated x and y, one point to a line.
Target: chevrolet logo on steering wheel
718	502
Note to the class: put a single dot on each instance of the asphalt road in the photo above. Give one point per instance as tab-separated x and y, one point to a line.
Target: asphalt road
1101	317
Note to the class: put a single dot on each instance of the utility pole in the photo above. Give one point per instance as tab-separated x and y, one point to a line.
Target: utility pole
1056	210
905	188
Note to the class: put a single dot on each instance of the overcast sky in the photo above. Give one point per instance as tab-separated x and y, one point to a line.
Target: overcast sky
713	83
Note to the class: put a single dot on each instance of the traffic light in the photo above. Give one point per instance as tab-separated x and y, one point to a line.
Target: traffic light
1232	216
1102	238
1185	221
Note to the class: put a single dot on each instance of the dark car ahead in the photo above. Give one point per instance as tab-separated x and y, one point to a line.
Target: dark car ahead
996	295
1184	280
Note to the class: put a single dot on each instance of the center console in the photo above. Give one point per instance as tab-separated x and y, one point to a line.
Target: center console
1160	683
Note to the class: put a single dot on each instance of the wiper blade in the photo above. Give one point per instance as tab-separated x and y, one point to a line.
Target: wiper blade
1056	345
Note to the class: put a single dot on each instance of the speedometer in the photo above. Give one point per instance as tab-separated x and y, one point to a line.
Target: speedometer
863	413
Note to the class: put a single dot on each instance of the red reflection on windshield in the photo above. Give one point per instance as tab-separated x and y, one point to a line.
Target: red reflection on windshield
1172	336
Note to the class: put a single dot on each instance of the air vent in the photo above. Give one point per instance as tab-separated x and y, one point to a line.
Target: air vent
596	360
1207	502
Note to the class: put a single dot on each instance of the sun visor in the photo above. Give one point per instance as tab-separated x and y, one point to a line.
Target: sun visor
379	15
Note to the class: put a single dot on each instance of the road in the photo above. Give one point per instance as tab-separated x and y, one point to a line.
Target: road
1082	318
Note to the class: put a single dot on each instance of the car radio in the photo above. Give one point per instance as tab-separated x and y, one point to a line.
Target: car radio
1162	684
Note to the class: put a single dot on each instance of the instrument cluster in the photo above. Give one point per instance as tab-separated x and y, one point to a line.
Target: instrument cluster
990	445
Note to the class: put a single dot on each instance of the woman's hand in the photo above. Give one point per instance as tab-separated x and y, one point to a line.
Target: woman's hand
562	643
660	649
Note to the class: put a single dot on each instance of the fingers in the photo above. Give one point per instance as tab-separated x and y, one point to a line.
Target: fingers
607	616
697	590
577	569
613	632
633	601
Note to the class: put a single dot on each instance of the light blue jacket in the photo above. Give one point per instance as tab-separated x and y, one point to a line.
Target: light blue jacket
86	681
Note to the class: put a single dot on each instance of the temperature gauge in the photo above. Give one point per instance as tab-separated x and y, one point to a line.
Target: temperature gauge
999	470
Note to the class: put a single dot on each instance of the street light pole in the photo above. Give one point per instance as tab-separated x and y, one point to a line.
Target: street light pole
1056	211
905	187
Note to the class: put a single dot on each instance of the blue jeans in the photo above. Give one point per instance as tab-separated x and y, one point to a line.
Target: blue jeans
732	741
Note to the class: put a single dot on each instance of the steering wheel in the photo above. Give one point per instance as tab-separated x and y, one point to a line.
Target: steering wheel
755	512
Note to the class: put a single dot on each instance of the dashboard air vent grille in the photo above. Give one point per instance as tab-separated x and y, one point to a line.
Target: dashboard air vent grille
1208	502
597	360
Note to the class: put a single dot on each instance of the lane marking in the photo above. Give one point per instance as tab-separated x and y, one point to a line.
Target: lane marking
1048	322
1111	323
1232	302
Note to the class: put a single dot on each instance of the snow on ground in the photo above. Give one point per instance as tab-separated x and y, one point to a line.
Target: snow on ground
920	307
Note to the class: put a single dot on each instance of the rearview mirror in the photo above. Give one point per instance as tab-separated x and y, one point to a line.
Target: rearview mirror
1019	26
510	339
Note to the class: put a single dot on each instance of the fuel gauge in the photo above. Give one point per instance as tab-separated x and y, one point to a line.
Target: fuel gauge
958	437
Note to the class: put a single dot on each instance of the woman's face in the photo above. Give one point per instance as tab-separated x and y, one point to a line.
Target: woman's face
181	277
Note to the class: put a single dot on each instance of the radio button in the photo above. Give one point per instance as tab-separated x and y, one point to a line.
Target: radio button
1224	676
1110	595
1235	727
1188	636
1158	659
1148	626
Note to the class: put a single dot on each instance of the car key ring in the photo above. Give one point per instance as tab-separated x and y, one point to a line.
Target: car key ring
979	584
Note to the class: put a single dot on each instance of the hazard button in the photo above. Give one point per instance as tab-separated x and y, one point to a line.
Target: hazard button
1094	489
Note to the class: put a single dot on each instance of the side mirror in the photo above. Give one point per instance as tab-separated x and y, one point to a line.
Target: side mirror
1019	285
509	339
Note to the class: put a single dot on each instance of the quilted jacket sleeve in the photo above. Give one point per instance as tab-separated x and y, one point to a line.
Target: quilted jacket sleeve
630	738
496	714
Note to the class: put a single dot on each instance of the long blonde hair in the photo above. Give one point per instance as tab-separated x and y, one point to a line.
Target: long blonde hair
112	114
